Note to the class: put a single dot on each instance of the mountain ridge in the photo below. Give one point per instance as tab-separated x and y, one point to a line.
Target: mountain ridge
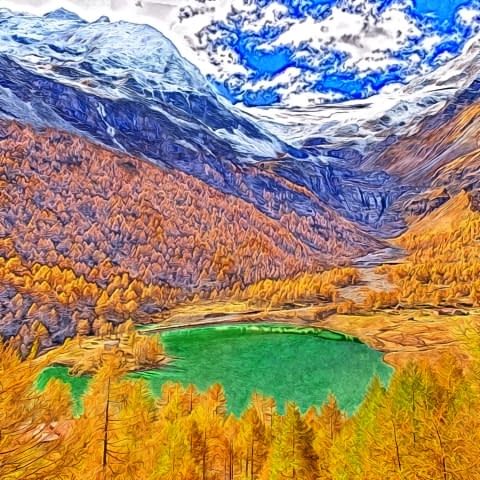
166	131
147	68
70	75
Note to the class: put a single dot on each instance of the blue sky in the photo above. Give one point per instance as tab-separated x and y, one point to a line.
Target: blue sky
290	52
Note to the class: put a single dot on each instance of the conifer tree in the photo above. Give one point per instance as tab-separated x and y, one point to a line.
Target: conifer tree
327	427
253	443
292	454
33	424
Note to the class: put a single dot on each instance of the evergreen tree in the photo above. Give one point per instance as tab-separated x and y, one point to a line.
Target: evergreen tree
292	454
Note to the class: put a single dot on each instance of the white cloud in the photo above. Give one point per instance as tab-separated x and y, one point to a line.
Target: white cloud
468	15
366	38
289	76
430	41
272	14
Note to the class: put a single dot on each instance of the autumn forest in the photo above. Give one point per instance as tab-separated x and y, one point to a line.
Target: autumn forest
416	427
198	282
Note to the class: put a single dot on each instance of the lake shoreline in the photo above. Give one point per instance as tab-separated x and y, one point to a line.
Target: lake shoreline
401	335
279	361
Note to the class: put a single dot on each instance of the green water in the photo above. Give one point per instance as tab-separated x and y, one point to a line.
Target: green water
285	363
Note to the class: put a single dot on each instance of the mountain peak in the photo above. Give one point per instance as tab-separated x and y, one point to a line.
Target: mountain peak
63	14
102	19
126	62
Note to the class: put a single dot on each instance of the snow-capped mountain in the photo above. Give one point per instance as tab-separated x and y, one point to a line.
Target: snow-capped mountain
117	63
126	86
364	123
125	62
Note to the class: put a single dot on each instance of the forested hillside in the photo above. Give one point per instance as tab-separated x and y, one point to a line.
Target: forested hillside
85	231
442	267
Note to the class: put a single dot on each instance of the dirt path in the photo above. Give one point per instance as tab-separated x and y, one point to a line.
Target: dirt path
294	316
369	279
386	256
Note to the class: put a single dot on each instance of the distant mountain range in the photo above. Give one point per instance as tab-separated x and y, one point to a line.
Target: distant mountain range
334	187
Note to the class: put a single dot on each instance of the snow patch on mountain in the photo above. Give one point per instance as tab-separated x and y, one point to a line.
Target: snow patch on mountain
397	110
122	60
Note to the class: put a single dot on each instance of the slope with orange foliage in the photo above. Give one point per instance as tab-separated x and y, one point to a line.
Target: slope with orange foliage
439	140
108	220
443	266
142	211
320	287
441	220
51	303
73	204
461	173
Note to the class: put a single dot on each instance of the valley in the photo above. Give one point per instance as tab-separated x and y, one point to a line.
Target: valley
190	290
403	319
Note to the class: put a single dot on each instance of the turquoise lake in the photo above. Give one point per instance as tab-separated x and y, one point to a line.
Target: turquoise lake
286	363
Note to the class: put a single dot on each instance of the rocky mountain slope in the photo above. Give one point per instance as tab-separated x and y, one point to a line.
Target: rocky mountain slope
60	193
61	72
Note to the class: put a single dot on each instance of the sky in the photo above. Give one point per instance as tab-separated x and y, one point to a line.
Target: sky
301	53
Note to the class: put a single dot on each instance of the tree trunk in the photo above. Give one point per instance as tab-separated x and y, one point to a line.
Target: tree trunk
105	433
231	460
251	459
204	458
397	449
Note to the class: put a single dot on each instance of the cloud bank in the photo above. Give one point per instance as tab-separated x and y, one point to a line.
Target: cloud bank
308	52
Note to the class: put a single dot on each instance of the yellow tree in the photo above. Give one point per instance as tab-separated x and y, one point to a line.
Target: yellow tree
94	438
350	454
267	410
173	456
205	429
253	443
190	399
229	437
327	427
33	424
133	436
292	454
147	350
